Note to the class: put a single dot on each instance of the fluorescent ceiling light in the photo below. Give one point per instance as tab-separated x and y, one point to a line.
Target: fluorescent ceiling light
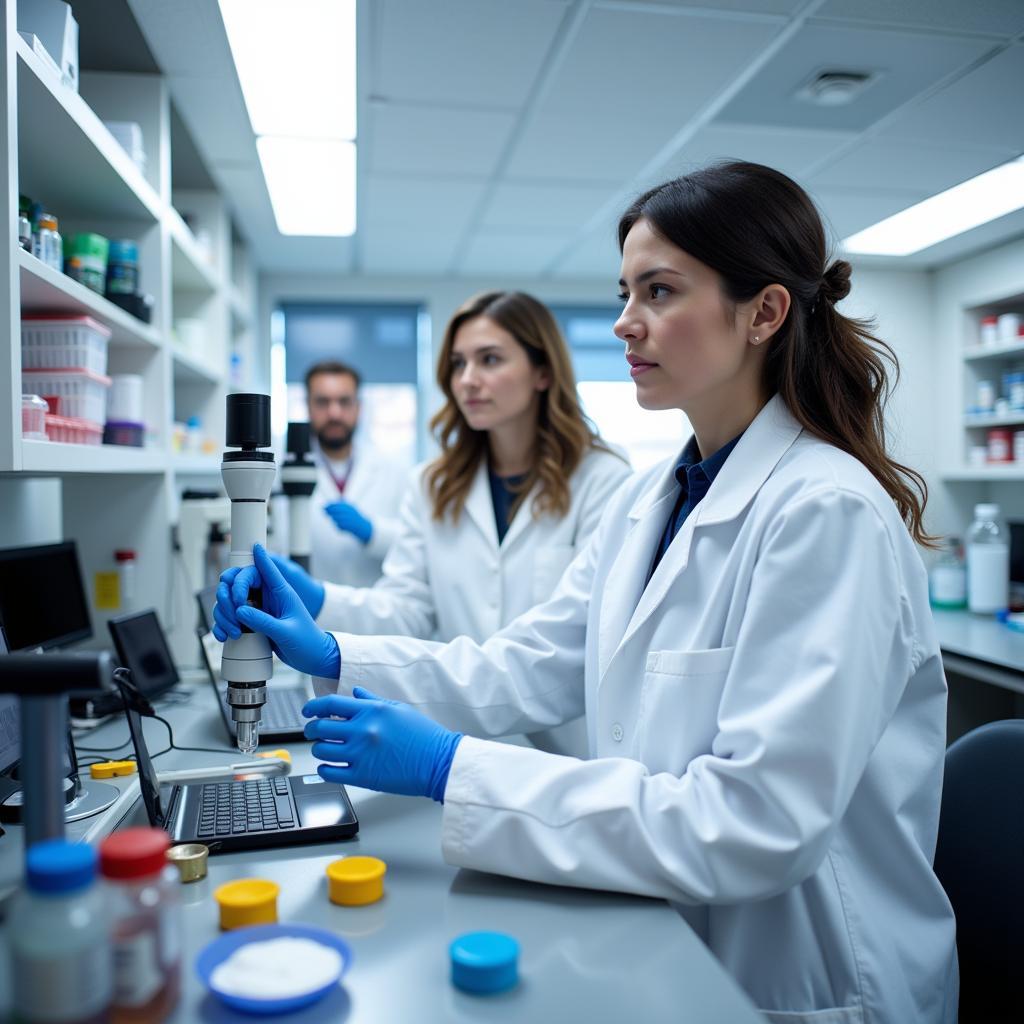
312	184
296	61
977	201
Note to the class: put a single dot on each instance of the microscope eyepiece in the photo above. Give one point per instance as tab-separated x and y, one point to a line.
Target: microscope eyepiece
298	439
248	421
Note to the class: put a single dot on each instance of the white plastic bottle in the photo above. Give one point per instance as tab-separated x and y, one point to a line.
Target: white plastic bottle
988	562
61	969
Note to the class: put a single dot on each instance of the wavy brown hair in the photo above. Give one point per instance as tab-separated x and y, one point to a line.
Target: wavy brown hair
754	227
564	434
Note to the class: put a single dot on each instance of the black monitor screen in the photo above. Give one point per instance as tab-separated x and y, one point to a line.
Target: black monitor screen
42	600
142	649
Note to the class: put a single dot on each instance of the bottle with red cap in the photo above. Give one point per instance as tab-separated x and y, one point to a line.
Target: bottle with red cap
146	933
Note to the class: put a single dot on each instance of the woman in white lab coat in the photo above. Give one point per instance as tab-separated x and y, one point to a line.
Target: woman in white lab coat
748	631
487	529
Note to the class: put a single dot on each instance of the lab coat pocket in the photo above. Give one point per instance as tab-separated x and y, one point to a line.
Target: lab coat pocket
679	703
549	562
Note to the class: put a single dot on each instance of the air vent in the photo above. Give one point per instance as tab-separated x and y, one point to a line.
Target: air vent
835	88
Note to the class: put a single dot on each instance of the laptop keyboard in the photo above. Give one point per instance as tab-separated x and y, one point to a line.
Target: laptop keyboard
283	711
234	808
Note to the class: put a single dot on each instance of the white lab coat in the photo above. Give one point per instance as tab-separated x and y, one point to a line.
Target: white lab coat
375	486
767	721
442	579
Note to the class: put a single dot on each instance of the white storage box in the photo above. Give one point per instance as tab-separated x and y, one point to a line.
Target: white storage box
55	25
78	394
62	343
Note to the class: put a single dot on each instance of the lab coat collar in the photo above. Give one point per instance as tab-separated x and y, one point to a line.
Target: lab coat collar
480	506
751	462
765	441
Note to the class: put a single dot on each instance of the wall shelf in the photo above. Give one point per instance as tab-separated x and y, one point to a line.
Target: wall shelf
978	354
67	155
191	271
194	465
966	474
189	370
43	290
51	457
1009	420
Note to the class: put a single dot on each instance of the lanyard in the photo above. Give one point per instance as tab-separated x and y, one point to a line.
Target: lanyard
339	481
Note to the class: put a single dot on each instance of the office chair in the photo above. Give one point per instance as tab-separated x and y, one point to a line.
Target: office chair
980	861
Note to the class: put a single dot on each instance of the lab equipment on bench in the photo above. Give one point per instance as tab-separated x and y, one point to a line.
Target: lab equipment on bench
248	475
60	960
146	925
242	815
288	977
298	480
988	561
282	720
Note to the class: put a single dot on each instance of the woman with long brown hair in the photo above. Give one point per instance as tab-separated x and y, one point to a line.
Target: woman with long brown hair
748	632
487	528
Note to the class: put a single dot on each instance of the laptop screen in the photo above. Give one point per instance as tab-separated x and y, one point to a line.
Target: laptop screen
148	782
142	649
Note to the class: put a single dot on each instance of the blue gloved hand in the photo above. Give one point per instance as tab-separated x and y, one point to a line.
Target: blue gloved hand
381	744
284	620
347	517
310	590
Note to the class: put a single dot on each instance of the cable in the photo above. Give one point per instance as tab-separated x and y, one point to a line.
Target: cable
175	746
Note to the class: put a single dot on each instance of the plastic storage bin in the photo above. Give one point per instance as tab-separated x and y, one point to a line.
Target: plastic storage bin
69	430
33	417
61	343
80	394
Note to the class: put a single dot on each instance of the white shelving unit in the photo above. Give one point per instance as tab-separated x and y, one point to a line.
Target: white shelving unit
194	263
980	363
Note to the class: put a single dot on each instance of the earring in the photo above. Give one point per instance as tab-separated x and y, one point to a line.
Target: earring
757	340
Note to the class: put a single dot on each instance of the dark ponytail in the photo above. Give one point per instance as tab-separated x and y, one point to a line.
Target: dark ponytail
755	227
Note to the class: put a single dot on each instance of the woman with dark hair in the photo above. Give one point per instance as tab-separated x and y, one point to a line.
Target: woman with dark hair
487	528
748	632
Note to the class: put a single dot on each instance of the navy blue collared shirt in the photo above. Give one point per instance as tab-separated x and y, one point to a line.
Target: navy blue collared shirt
695	479
504	491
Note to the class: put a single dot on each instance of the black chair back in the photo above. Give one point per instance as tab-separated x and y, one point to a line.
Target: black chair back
980	862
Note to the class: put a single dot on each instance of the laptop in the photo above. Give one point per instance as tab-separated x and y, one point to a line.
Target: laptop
281	720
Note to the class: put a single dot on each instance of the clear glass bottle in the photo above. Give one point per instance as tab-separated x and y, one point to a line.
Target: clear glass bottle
58	929
146	925
47	244
988	562
947	579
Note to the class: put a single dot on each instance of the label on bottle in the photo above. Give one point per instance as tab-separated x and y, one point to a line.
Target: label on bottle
988	577
137	974
949	586
65	986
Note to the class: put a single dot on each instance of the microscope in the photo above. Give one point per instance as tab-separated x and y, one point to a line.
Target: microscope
248	475
298	481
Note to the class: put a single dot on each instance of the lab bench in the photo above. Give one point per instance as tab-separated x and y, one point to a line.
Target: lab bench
585	955
978	648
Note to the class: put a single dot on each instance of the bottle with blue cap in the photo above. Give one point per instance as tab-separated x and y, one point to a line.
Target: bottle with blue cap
484	963
59	943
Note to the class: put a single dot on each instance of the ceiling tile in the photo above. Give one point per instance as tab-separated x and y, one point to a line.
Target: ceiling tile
1000	17
758	7
848	210
907	63
787	150
503	252
401	251
395	201
596	255
471	52
887	163
435	140
522	207
984	108
629	82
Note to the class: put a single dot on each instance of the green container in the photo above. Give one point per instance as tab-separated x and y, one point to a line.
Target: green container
85	260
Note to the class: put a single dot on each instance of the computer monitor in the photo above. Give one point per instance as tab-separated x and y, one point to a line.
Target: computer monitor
10	730
142	649
42	599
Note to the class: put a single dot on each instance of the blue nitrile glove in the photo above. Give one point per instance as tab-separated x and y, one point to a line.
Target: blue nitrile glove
284	620
310	590
380	744
347	517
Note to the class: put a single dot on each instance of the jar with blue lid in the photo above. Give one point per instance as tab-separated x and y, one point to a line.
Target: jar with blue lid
59	938
122	268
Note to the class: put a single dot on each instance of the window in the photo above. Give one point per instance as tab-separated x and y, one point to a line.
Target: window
607	393
383	342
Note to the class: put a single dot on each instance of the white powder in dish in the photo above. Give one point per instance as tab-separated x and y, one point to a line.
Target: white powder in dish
277	969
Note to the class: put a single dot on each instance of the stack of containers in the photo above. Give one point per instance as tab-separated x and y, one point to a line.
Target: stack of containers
124	411
64	361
